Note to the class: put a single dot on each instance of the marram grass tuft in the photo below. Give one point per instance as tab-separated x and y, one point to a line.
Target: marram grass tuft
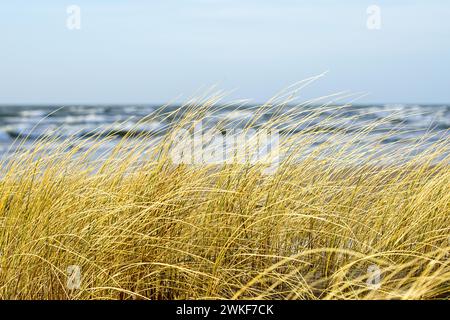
344	215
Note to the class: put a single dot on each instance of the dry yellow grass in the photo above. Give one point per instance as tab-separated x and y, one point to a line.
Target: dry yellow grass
142	227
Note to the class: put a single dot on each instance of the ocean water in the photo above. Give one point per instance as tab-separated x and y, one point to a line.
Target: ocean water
31	122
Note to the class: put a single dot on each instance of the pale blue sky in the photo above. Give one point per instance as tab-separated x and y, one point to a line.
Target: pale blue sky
157	50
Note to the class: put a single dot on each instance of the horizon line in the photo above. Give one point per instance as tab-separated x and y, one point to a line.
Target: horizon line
141	104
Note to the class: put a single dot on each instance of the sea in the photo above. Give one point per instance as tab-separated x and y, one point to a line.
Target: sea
29	123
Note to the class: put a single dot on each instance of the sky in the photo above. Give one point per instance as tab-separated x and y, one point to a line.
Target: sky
157	51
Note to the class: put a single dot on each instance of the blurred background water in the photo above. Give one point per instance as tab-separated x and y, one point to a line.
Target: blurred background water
31	122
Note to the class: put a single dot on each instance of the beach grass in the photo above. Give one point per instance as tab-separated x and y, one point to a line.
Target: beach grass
343	215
